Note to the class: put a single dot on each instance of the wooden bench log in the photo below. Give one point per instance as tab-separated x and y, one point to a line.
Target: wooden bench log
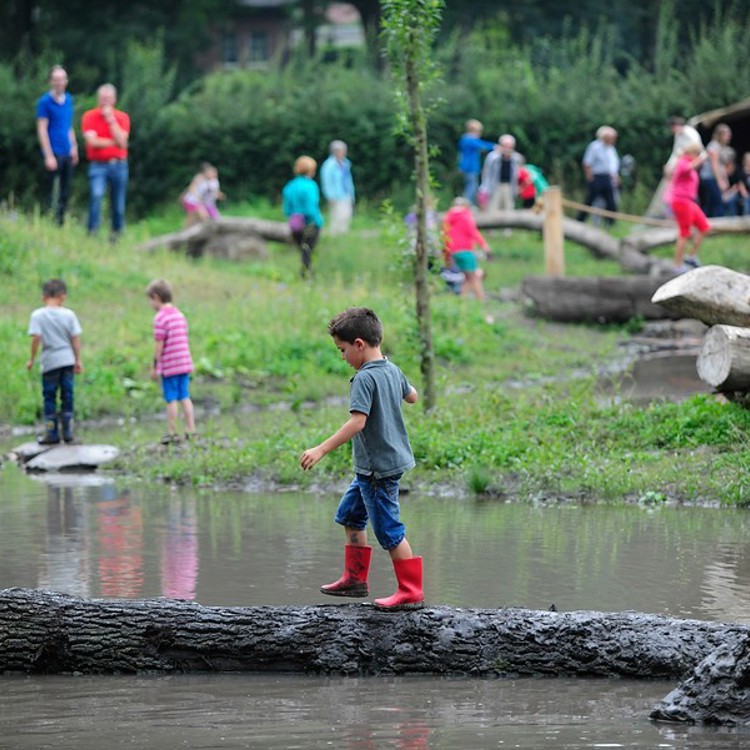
44	632
724	360
583	299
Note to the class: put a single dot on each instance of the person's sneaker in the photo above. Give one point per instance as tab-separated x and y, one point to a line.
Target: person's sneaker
684	268
170	438
692	261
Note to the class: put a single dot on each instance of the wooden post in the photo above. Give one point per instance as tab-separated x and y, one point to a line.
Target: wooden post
554	249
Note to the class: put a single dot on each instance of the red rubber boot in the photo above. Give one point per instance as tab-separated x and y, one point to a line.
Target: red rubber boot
354	580
409	594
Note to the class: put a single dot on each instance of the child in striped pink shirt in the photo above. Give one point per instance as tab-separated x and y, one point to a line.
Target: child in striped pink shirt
172	360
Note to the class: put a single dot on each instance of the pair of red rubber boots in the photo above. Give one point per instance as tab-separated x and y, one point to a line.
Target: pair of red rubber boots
353	582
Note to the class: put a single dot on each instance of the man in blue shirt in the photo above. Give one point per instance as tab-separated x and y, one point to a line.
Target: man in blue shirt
54	127
601	166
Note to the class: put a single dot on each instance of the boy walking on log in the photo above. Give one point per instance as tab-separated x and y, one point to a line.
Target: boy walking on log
382	453
55	328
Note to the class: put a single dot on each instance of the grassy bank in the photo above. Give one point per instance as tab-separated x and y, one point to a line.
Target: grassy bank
511	418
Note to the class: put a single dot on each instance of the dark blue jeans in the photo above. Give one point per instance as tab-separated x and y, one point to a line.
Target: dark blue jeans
712	202
64	175
115	174
600	187
61	380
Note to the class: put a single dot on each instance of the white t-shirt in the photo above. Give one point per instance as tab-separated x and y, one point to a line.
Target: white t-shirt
56	326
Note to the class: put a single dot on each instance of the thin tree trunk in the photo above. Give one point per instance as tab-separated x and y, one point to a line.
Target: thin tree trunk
421	164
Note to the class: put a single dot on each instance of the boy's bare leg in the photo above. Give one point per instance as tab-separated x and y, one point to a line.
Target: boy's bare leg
172	417
402	551
697	239
679	251
356	537
188	414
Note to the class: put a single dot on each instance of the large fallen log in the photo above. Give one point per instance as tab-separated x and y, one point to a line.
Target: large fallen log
597	299
230	237
718	691
712	294
631	252
724	360
44	632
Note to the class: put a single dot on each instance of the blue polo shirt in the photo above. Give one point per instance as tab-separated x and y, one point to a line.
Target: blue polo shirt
60	120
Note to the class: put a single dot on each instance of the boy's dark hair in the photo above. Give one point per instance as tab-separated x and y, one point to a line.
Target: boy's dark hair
357	323
160	289
54	288
675	120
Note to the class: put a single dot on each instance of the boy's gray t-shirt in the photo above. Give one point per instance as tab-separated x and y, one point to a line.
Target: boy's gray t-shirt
382	448
56	326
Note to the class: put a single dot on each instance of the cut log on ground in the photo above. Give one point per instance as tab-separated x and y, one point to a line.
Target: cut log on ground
724	360
44	632
614	299
227	237
718	692
712	294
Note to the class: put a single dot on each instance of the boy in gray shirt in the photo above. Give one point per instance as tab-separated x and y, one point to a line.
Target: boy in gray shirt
56	329
382	453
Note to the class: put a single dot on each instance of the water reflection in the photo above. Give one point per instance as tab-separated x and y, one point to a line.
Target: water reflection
179	568
64	566
243	549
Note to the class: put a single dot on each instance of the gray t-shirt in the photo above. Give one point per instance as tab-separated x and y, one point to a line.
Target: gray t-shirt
382	448
56	326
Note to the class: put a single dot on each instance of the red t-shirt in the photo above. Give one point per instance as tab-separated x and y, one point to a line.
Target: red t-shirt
93	120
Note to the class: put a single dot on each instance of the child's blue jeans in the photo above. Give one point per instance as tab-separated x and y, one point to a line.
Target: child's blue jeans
62	380
375	500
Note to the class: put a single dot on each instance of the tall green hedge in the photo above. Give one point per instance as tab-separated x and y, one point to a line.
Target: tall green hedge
552	94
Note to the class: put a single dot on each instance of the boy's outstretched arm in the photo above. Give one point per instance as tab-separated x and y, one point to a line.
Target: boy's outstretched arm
412	397
35	342
346	432
76	344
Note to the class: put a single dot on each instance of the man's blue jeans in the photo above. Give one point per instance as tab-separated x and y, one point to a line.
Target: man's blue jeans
62	380
115	174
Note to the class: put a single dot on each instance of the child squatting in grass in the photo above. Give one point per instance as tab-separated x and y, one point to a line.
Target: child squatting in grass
381	452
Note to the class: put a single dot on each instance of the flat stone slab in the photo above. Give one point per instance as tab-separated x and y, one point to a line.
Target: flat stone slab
35	457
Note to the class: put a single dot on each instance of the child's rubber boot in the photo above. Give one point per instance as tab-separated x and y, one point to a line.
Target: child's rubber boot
51	435
409	594
67	428
354	580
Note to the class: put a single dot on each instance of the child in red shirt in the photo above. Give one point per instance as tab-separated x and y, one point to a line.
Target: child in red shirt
687	212
461	236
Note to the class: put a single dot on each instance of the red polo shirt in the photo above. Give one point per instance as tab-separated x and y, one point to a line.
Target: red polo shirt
94	120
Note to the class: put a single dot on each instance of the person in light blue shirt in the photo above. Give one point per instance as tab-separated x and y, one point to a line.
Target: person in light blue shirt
601	166
301	205
57	140
338	187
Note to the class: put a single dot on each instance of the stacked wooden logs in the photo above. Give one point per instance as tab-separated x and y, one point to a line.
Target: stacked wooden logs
720	298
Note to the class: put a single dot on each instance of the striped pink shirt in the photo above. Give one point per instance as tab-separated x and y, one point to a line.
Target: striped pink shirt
171	327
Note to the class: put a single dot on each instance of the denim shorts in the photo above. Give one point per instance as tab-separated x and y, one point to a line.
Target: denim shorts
176	387
375	500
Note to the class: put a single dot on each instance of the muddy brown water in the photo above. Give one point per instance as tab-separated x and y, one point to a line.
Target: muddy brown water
94	538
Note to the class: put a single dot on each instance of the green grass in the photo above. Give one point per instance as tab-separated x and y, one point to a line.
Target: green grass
516	412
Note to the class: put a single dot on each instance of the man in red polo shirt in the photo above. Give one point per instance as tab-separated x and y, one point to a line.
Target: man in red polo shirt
106	131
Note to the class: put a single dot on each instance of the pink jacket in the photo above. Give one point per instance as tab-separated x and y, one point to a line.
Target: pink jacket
460	230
